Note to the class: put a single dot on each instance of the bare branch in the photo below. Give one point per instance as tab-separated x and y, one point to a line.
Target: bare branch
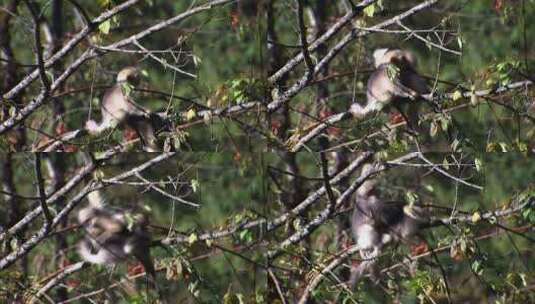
326	270
69	46
41	189
90	54
163	192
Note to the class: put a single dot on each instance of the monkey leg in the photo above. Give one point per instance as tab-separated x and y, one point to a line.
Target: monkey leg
145	131
151	275
360	270
410	127
369	259
411	118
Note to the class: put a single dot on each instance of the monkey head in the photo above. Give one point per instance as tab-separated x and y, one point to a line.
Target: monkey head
401	58
129	74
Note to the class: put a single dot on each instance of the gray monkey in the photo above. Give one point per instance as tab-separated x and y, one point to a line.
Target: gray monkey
395	82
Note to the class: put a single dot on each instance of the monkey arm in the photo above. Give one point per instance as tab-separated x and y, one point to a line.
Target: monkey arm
399	89
415	82
138	245
136	109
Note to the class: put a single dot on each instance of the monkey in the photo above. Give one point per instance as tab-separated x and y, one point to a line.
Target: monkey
118	108
111	238
394	82
111	247
376	224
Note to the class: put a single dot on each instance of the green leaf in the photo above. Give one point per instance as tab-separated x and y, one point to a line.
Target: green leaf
460	42
445	163
191	114
245	235
457	95
476	217
433	129
104	3
194	185
196	60
445	122
14	244
455	145
477	267
411	197
392	71
192	238
369	10
127	89
104	27
522	146
12	111
491	147
478	164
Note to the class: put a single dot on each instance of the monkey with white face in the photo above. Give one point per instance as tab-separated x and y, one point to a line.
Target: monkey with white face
118	109
394	82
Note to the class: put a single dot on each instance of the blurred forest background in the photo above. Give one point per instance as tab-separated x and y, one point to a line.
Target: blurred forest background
252	201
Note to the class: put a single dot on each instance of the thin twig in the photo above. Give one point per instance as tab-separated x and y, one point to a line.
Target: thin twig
163	192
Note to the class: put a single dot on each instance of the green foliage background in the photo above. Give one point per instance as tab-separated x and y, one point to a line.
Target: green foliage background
230	163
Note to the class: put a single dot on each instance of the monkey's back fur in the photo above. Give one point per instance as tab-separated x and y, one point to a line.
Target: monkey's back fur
117	106
376	223
383	89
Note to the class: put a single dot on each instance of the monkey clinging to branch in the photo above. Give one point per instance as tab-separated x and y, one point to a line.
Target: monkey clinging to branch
376	223
114	235
118	108
394	82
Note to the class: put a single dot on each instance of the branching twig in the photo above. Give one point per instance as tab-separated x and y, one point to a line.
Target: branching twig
58	278
439	170
283	218
329	122
89	54
24	249
163	192
329	268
